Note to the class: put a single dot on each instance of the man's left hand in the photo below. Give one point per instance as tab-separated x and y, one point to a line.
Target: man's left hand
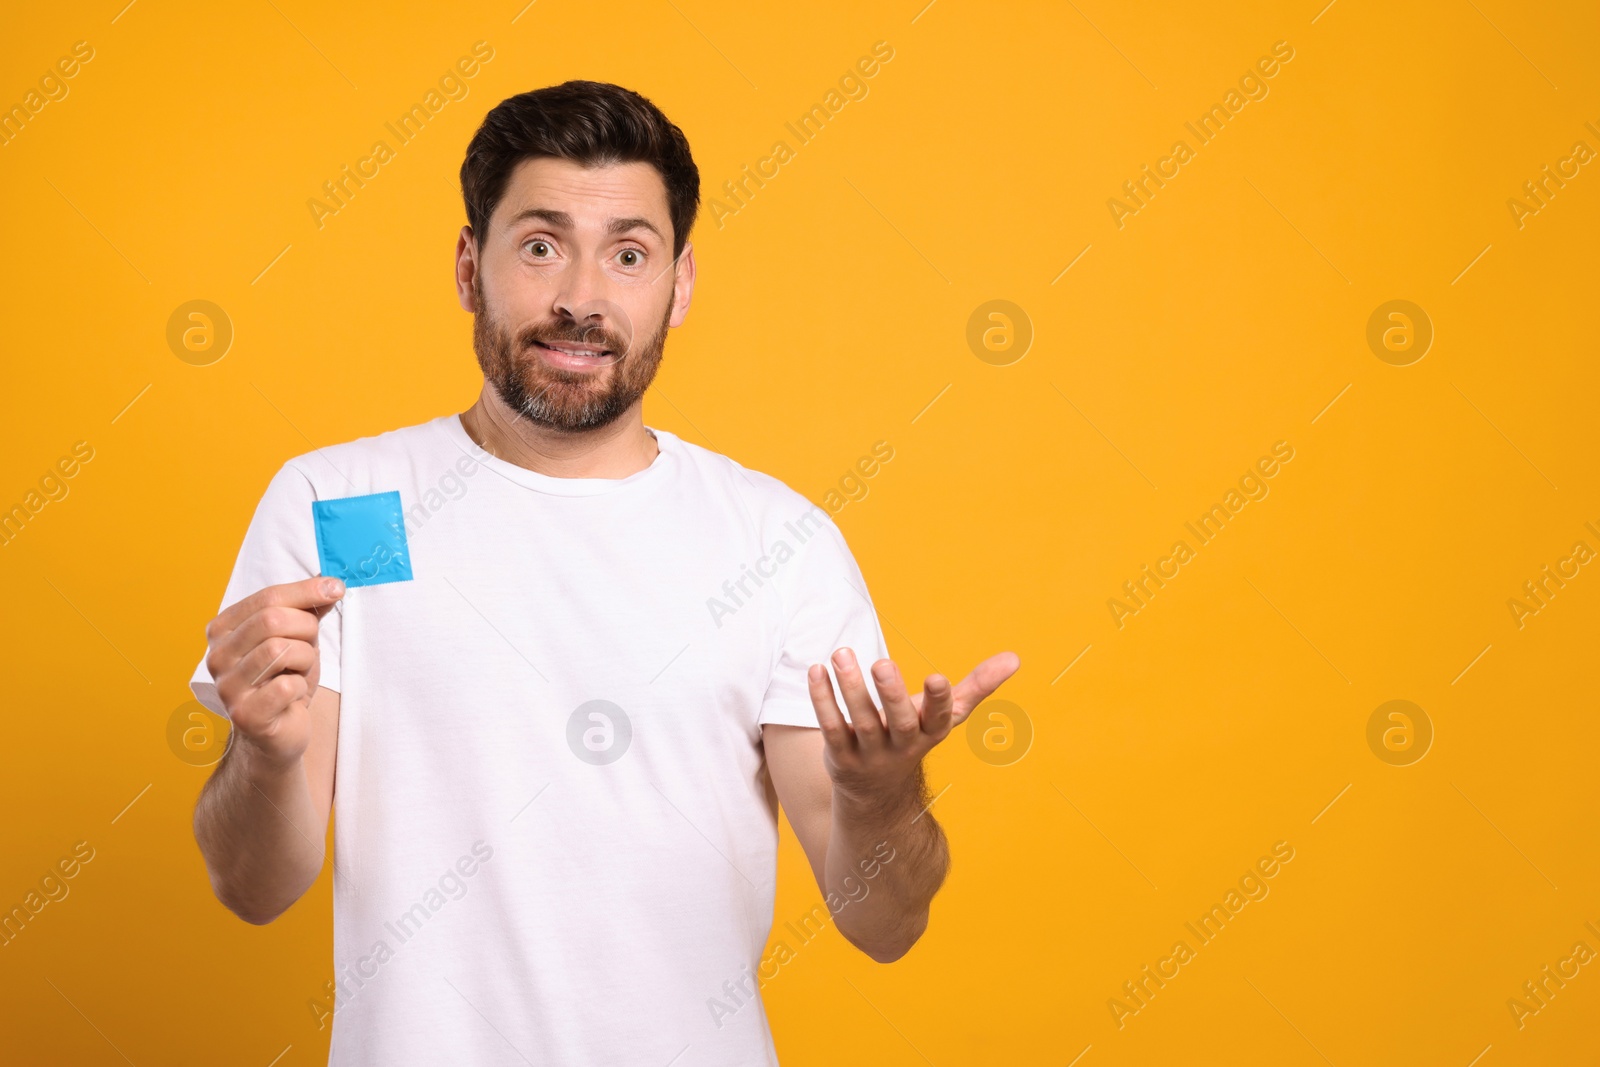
876	753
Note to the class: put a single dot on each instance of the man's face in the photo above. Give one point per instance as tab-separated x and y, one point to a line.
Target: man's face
574	291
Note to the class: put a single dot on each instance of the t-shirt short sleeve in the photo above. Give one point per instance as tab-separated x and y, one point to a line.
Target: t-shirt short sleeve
826	607
279	546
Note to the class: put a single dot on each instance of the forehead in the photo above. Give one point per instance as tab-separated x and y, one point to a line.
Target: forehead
591	195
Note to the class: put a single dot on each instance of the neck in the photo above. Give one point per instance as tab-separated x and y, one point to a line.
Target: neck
616	450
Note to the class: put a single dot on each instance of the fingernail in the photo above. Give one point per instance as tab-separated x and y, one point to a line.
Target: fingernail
332	587
883	672
844	658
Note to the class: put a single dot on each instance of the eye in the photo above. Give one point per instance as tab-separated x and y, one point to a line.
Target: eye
634	257
539	248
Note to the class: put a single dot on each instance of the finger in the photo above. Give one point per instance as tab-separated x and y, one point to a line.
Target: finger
266	662
985	678
258	712
937	706
864	717
904	723
835	731
308	593
272	621
276	655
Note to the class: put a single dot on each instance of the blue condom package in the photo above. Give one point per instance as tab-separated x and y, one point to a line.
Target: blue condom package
362	539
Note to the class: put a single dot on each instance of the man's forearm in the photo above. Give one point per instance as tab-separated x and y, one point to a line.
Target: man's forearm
885	920
256	827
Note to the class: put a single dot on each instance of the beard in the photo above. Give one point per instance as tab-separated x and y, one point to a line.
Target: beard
555	398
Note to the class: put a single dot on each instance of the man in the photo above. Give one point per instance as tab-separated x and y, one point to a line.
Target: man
560	736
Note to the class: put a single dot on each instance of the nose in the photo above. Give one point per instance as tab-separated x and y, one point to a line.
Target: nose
584	299
581	297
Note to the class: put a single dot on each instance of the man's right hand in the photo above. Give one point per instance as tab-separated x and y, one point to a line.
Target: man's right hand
264	660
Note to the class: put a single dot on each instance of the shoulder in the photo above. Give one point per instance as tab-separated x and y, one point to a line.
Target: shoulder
770	502
353	467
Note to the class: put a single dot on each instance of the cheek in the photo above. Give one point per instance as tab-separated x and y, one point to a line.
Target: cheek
651	342
515	315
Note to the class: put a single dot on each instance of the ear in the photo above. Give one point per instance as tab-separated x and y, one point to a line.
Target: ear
682	285
466	269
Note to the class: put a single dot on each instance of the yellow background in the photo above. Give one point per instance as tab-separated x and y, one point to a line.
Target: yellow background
831	310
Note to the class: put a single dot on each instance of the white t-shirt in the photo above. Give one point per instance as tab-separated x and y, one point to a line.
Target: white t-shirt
521	875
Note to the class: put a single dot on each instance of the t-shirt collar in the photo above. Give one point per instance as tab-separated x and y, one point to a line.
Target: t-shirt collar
667	456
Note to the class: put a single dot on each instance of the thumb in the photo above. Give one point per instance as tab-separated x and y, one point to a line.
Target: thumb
318	593
986	677
321	593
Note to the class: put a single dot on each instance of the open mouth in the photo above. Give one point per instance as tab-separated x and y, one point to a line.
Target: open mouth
573	355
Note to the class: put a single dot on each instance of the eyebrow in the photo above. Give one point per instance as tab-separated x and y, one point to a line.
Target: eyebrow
564	220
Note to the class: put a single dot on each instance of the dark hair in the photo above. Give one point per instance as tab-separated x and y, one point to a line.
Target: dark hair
590	123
